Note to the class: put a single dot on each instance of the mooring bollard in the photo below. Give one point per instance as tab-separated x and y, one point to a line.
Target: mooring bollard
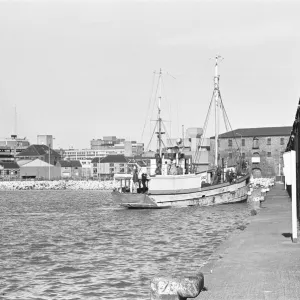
176	287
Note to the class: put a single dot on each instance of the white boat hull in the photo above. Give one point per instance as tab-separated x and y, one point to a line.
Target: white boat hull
212	195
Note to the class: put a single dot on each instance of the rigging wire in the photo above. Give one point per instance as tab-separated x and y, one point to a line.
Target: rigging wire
154	102
200	143
147	148
155	97
167	135
165	98
227	119
149	103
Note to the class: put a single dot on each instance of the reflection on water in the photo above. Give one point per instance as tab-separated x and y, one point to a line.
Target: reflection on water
79	245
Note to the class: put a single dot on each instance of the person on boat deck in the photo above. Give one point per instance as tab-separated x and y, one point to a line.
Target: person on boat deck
165	168
144	179
135	179
158	170
179	170
173	169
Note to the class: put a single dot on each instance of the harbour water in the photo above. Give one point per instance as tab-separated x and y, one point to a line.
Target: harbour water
79	245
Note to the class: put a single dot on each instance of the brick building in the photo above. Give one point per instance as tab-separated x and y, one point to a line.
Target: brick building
261	147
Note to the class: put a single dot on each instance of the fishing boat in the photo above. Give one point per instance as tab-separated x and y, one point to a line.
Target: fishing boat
188	187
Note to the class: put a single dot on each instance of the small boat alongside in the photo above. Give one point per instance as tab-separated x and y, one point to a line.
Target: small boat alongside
183	186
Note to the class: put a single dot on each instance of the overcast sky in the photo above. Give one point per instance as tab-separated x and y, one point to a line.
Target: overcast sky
84	69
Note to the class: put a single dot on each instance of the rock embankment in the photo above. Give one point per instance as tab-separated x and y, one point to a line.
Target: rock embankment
261	184
57	185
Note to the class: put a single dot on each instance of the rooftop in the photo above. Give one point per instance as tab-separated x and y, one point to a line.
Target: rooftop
9	165
37	150
114	159
70	163
257	132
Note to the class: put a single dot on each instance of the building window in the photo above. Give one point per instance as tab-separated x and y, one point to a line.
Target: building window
281	141
255	143
229	143
111	165
268	141
121	165
269	154
230	155
111	170
243	142
122	170
7	172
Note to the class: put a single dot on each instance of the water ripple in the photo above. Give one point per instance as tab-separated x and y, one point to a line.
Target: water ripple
79	245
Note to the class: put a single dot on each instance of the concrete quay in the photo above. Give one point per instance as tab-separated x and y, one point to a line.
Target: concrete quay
259	262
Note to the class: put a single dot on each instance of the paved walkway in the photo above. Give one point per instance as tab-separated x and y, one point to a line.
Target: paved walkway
259	262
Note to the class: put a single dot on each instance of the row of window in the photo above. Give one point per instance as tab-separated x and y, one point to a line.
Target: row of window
255	142
230	155
112	165
269	154
112	170
91	153
7	172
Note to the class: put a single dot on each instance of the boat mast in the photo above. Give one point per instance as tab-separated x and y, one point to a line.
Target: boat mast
217	107
159	133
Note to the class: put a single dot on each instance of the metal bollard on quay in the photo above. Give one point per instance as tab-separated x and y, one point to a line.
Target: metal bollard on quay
176	287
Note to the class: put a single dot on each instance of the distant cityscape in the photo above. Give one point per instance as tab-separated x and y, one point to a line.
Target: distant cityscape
262	149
